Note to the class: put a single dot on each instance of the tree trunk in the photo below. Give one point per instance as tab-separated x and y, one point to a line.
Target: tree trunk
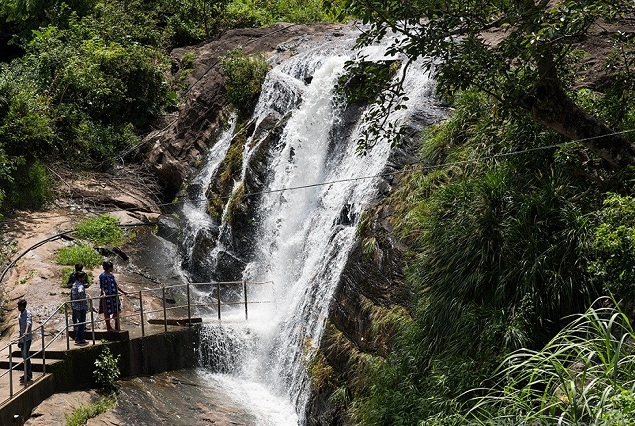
552	108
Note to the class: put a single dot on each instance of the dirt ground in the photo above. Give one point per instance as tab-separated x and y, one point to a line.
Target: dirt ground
29	243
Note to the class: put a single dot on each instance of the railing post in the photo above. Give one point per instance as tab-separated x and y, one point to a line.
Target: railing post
117	304
43	352
92	320
143	332
245	294
165	313
218	298
68	345
10	370
28	356
189	309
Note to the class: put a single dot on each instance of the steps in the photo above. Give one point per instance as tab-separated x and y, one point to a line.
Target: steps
36	364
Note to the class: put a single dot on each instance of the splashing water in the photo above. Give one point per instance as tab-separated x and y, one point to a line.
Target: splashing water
303	236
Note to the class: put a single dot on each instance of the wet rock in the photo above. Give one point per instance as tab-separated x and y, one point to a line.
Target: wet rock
228	267
169	228
175	150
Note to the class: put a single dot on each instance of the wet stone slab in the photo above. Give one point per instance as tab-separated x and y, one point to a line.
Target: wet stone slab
177	398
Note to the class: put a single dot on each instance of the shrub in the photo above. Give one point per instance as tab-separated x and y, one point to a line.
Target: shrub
29	186
245	75
78	253
106	370
613	246
103	229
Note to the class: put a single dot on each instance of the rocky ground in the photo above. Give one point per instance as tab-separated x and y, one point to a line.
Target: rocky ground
30	270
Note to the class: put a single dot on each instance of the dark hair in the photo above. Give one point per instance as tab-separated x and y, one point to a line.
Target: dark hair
107	265
22	302
78	267
81	276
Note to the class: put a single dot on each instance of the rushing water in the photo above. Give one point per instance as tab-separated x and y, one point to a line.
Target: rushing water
314	192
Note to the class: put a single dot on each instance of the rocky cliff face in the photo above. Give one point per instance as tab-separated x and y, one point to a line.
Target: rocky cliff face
176	149
371	284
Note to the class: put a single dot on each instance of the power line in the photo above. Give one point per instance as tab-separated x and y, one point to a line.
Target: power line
443	165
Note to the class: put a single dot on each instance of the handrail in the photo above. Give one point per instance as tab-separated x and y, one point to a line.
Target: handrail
142	313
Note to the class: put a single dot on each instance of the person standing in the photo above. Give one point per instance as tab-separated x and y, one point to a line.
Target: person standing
25	321
72	277
80	306
110	305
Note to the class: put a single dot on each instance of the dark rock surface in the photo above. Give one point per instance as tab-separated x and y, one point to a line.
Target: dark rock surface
175	150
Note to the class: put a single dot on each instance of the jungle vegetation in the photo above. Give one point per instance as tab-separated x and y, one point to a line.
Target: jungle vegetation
518	219
82	81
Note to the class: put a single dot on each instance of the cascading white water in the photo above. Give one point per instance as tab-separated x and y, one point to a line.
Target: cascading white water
194	207
305	232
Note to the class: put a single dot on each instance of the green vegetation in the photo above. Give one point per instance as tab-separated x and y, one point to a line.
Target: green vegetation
245	75
103	229
106	370
81	415
78	253
504	251
613	266
255	13
584	375
83	81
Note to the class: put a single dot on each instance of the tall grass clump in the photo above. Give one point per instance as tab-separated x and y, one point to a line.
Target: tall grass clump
584	375
103	229
81	415
79	253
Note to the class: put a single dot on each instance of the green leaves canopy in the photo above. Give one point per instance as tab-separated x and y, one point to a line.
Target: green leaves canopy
523	53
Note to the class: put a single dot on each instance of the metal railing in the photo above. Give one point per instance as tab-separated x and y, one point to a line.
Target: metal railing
142	314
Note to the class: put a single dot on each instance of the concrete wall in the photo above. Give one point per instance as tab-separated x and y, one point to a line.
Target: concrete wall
138	356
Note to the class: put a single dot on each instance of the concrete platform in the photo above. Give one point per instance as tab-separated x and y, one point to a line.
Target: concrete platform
69	366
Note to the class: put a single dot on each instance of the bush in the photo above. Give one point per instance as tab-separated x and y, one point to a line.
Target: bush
245	75
29	186
78	253
106	370
103	229
613	248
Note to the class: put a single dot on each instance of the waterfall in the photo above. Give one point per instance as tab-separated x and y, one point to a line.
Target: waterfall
303	218
197	224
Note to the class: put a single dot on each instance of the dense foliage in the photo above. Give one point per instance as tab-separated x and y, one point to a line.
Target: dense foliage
82	81
518	217
510	235
525	54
